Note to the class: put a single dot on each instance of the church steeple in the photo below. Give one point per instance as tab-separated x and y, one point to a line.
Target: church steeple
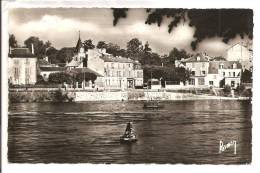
79	44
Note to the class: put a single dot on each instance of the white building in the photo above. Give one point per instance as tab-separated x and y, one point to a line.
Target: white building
240	53
198	65
22	66
224	73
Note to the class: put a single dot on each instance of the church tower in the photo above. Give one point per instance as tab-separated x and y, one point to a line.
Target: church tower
79	47
79	50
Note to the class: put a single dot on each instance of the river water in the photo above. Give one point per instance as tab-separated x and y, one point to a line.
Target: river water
186	132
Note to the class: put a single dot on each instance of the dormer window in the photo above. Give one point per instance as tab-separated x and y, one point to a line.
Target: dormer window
221	66
234	66
198	58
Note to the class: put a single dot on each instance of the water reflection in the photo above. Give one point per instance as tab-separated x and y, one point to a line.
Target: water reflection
88	132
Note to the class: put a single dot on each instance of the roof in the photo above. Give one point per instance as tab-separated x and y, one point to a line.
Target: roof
79	45
83	70
214	66
111	58
73	63
203	58
21	53
53	68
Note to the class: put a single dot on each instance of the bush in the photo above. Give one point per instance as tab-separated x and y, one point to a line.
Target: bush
240	88
40	80
227	89
88	77
60	96
60	78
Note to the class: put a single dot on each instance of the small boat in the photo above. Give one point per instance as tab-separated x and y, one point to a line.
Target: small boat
129	135
153	104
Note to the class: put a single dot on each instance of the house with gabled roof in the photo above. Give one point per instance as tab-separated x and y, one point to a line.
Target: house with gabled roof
198	66
222	73
22	66
241	53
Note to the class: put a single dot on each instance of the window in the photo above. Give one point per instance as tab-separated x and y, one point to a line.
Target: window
193	73
211	83
221	66
192	82
27	62
198	58
201	81
16	62
27	75
232	83
223	73
203	72
229	73
234	74
112	65
16	73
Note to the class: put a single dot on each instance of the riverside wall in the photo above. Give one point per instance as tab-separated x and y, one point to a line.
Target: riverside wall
80	96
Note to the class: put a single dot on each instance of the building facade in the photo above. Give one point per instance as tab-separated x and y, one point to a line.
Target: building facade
224	73
120	72
198	65
22	67
242	54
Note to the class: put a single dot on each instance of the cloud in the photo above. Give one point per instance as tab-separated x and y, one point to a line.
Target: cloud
61	26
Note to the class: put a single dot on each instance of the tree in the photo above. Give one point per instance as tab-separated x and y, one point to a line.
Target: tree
88	44
60	78
39	46
246	76
134	49
113	49
176	54
134	46
88	77
52	52
147	48
65	55
12	41
101	45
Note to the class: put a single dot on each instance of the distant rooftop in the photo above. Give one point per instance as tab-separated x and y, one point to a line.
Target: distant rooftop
214	65
194	58
21	53
111	58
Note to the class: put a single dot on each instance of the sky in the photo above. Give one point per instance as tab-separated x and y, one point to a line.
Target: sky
61	27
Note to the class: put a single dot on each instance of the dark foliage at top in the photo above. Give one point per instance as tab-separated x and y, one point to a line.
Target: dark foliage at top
224	23
119	13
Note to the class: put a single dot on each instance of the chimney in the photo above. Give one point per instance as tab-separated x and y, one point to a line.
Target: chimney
32	49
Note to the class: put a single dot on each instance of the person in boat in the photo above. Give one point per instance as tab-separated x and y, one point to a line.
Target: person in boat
129	131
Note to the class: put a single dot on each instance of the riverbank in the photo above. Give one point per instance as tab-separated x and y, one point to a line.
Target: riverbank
16	96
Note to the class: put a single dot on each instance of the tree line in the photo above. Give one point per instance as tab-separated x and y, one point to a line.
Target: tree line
135	50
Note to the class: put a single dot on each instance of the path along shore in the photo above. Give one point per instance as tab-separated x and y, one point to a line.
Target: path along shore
81	95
